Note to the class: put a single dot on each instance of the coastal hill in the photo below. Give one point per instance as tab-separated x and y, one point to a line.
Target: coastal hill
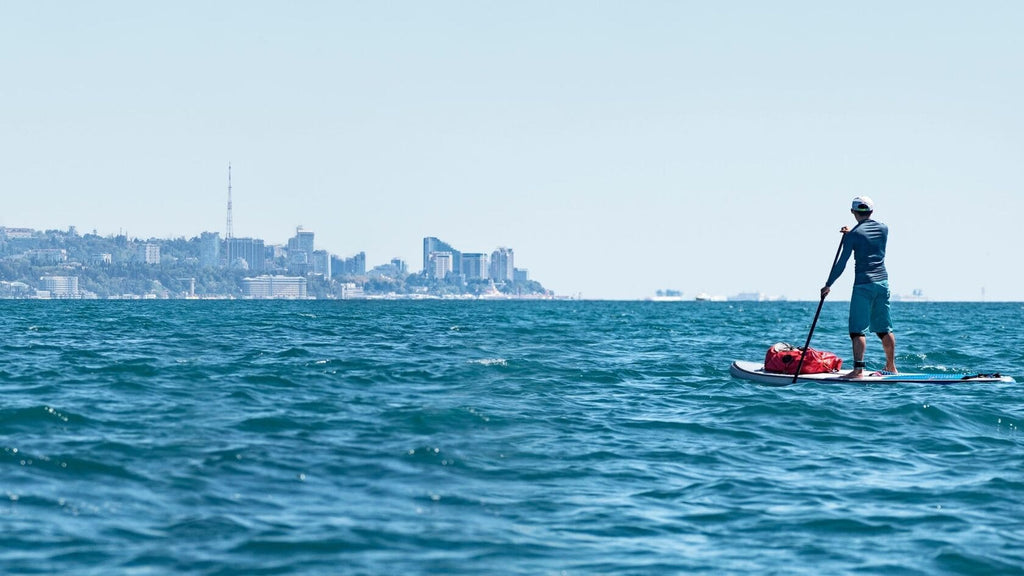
66	264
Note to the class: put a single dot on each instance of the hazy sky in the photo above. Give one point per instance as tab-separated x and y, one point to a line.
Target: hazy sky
618	147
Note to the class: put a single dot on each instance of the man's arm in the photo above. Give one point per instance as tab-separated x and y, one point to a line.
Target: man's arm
840	266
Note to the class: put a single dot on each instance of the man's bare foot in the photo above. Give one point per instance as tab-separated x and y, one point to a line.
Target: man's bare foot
891	369
855	373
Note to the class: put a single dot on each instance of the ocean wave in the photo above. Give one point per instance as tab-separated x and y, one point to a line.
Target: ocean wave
542	437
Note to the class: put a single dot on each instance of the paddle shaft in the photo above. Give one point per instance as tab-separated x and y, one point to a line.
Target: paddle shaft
817	313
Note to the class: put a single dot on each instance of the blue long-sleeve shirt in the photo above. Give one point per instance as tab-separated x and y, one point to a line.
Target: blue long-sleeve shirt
867	243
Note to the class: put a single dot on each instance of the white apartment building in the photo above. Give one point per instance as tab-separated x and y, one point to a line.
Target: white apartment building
441	264
266	286
60	286
149	253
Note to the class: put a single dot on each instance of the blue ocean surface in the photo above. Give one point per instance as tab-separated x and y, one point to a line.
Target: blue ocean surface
480	437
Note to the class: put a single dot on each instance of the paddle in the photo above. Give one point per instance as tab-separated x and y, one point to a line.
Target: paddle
818	312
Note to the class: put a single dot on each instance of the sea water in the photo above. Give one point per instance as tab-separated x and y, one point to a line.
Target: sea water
474	437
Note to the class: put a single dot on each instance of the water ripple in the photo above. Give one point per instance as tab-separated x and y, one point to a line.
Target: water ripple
509	437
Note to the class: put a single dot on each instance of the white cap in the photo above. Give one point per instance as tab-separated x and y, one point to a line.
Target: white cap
863	204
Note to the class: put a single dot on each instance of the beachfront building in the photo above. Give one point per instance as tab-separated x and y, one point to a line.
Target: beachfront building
60	286
15	289
502	265
440	264
474	266
433	245
262	287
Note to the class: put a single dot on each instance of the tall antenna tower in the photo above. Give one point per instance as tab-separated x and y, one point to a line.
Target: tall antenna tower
230	231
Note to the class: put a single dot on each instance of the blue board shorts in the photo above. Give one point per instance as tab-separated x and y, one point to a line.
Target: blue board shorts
869	308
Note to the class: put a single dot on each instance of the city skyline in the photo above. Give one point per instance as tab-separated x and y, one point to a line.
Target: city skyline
301	244
691	145
272	260
51	263
440	259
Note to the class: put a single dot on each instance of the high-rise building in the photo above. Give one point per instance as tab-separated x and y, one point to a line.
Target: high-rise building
399	266
337	265
474	266
502	265
322	263
303	240
354	266
431	245
359	264
246	252
300	252
440	264
209	249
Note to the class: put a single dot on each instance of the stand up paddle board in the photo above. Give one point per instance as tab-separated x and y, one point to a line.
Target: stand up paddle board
755	371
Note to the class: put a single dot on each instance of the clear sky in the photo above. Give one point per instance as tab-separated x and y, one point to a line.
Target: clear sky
618	147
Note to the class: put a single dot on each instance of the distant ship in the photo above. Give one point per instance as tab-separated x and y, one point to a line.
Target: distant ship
748	297
915	296
705	297
667	296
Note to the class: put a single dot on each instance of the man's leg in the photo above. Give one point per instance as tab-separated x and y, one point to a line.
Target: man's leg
889	344
859	345
881	324
860	315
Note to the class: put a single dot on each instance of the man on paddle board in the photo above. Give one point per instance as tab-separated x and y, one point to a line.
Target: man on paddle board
869	304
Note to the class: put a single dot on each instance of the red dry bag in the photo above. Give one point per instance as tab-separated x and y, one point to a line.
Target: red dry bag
783	358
